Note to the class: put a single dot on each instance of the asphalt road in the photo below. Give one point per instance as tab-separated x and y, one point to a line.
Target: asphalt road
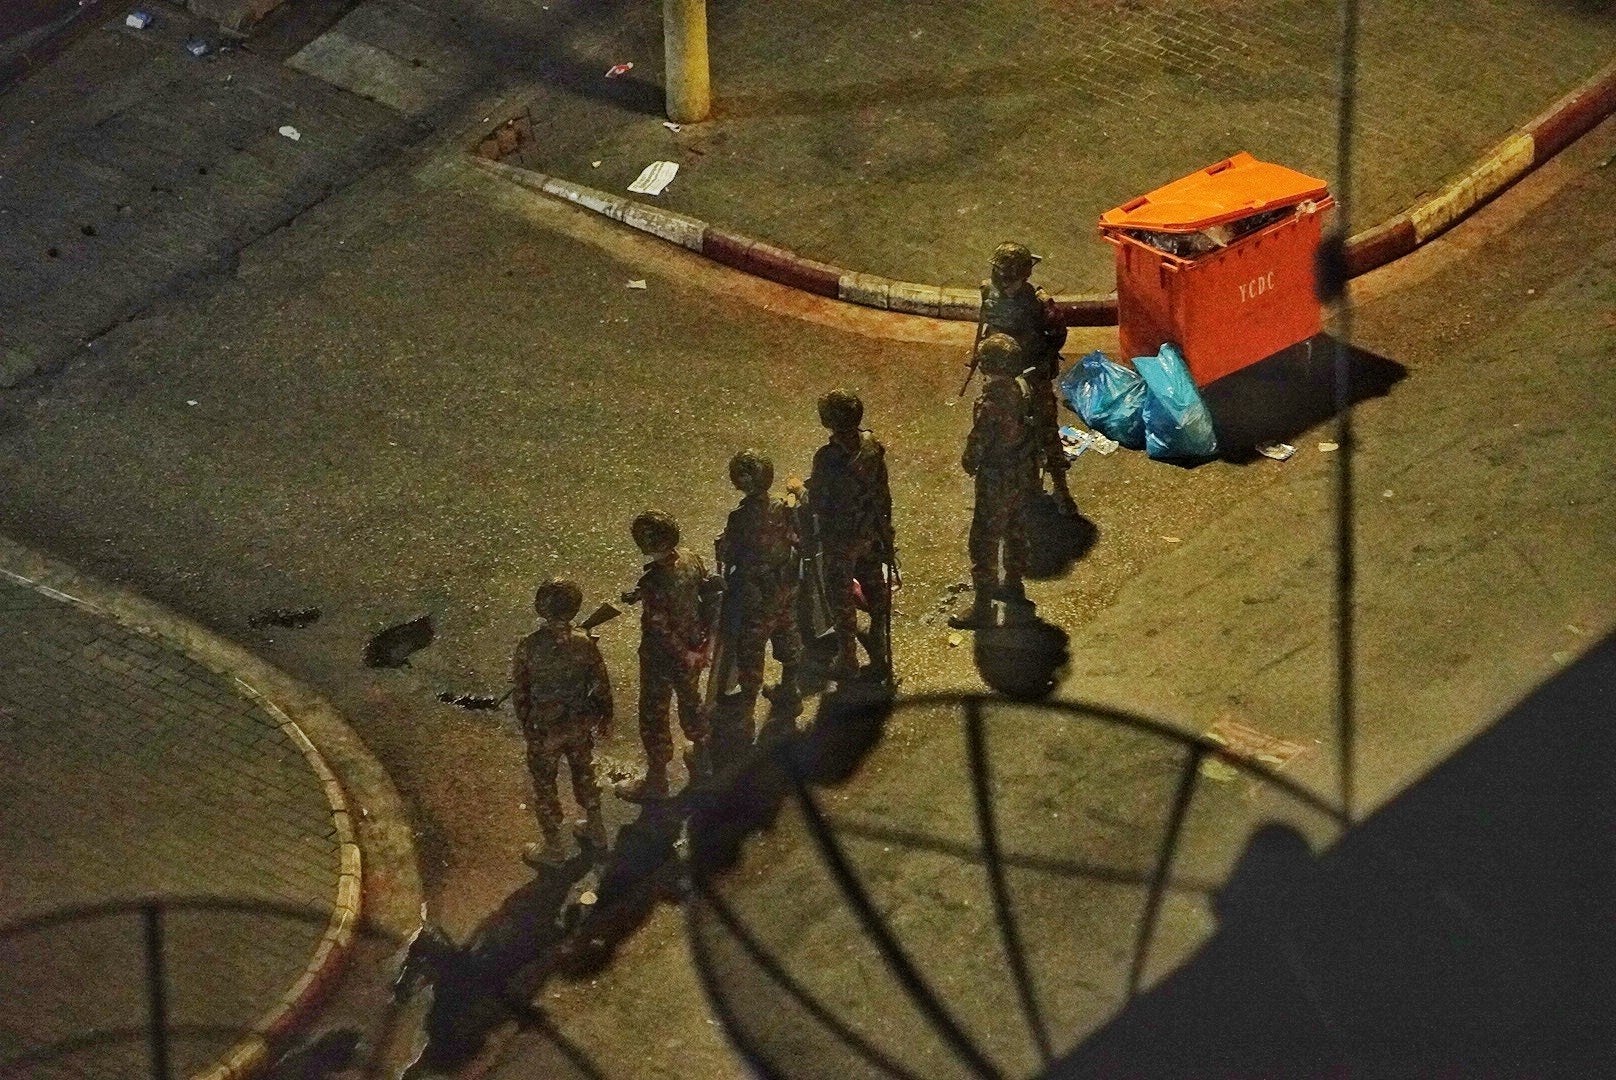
417	398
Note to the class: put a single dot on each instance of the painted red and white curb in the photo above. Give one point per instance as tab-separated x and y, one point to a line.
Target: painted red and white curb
254	1051
298	1005
1556	128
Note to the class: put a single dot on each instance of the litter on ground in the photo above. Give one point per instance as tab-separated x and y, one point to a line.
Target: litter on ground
654	178
1074	442
1279	451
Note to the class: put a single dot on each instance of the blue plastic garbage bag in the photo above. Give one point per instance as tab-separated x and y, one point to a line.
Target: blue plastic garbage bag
1177	424
1109	397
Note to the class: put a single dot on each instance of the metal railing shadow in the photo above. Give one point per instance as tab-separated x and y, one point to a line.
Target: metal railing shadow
161	1031
792	772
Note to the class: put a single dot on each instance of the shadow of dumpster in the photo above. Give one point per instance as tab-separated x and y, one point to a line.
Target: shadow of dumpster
1280	397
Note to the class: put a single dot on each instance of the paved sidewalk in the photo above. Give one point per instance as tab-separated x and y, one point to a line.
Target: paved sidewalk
905	140
129	167
128	771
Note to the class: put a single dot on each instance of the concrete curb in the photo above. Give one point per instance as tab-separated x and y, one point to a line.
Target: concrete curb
269	688
1552	131
1524	150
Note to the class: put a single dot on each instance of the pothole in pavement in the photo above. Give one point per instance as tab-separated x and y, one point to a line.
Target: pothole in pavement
393	647
475	702
290	618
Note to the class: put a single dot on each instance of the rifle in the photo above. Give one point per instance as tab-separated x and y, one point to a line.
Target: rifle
723	652
894	583
976	346
601	615
814	619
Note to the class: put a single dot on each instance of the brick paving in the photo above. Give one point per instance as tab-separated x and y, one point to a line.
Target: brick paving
907	139
128	771
897	139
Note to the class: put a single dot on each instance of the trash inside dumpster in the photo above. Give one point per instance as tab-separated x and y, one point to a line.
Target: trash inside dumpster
1220	262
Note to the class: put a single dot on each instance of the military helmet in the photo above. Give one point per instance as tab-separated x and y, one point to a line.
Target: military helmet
841	410
999	355
558	598
655	532
1014	260
751	471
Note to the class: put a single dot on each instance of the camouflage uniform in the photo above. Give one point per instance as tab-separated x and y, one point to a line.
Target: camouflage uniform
1000	456
1014	306
673	651
851	504
562	695
760	555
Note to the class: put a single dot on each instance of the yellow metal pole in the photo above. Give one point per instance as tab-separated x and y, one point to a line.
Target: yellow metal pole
684	33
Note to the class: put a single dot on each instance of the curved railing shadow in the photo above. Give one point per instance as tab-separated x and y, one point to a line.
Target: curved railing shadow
161	1032
1459	930
805	1035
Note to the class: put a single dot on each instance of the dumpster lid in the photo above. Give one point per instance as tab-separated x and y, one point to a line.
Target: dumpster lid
1234	188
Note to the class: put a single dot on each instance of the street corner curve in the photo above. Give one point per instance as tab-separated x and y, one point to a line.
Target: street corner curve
1517	155
360	795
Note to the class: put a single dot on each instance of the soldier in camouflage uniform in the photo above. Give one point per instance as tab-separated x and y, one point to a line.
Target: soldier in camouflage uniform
1013	305
1002	455
563	700
850	505
675	595
759	556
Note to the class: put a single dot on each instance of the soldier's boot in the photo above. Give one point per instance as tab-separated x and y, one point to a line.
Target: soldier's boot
1063	493
846	665
699	761
979	617
785	698
743	733
653	785
1013	591
1018	609
593	831
553	852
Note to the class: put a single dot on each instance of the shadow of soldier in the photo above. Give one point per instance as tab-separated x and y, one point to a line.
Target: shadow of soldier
569	921
469	983
1055	542
745	798
1021	657
321	1057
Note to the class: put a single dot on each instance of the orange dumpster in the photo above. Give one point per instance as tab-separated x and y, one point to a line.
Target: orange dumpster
1221	263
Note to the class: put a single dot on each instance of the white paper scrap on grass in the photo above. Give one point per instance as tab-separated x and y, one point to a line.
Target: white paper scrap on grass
654	177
